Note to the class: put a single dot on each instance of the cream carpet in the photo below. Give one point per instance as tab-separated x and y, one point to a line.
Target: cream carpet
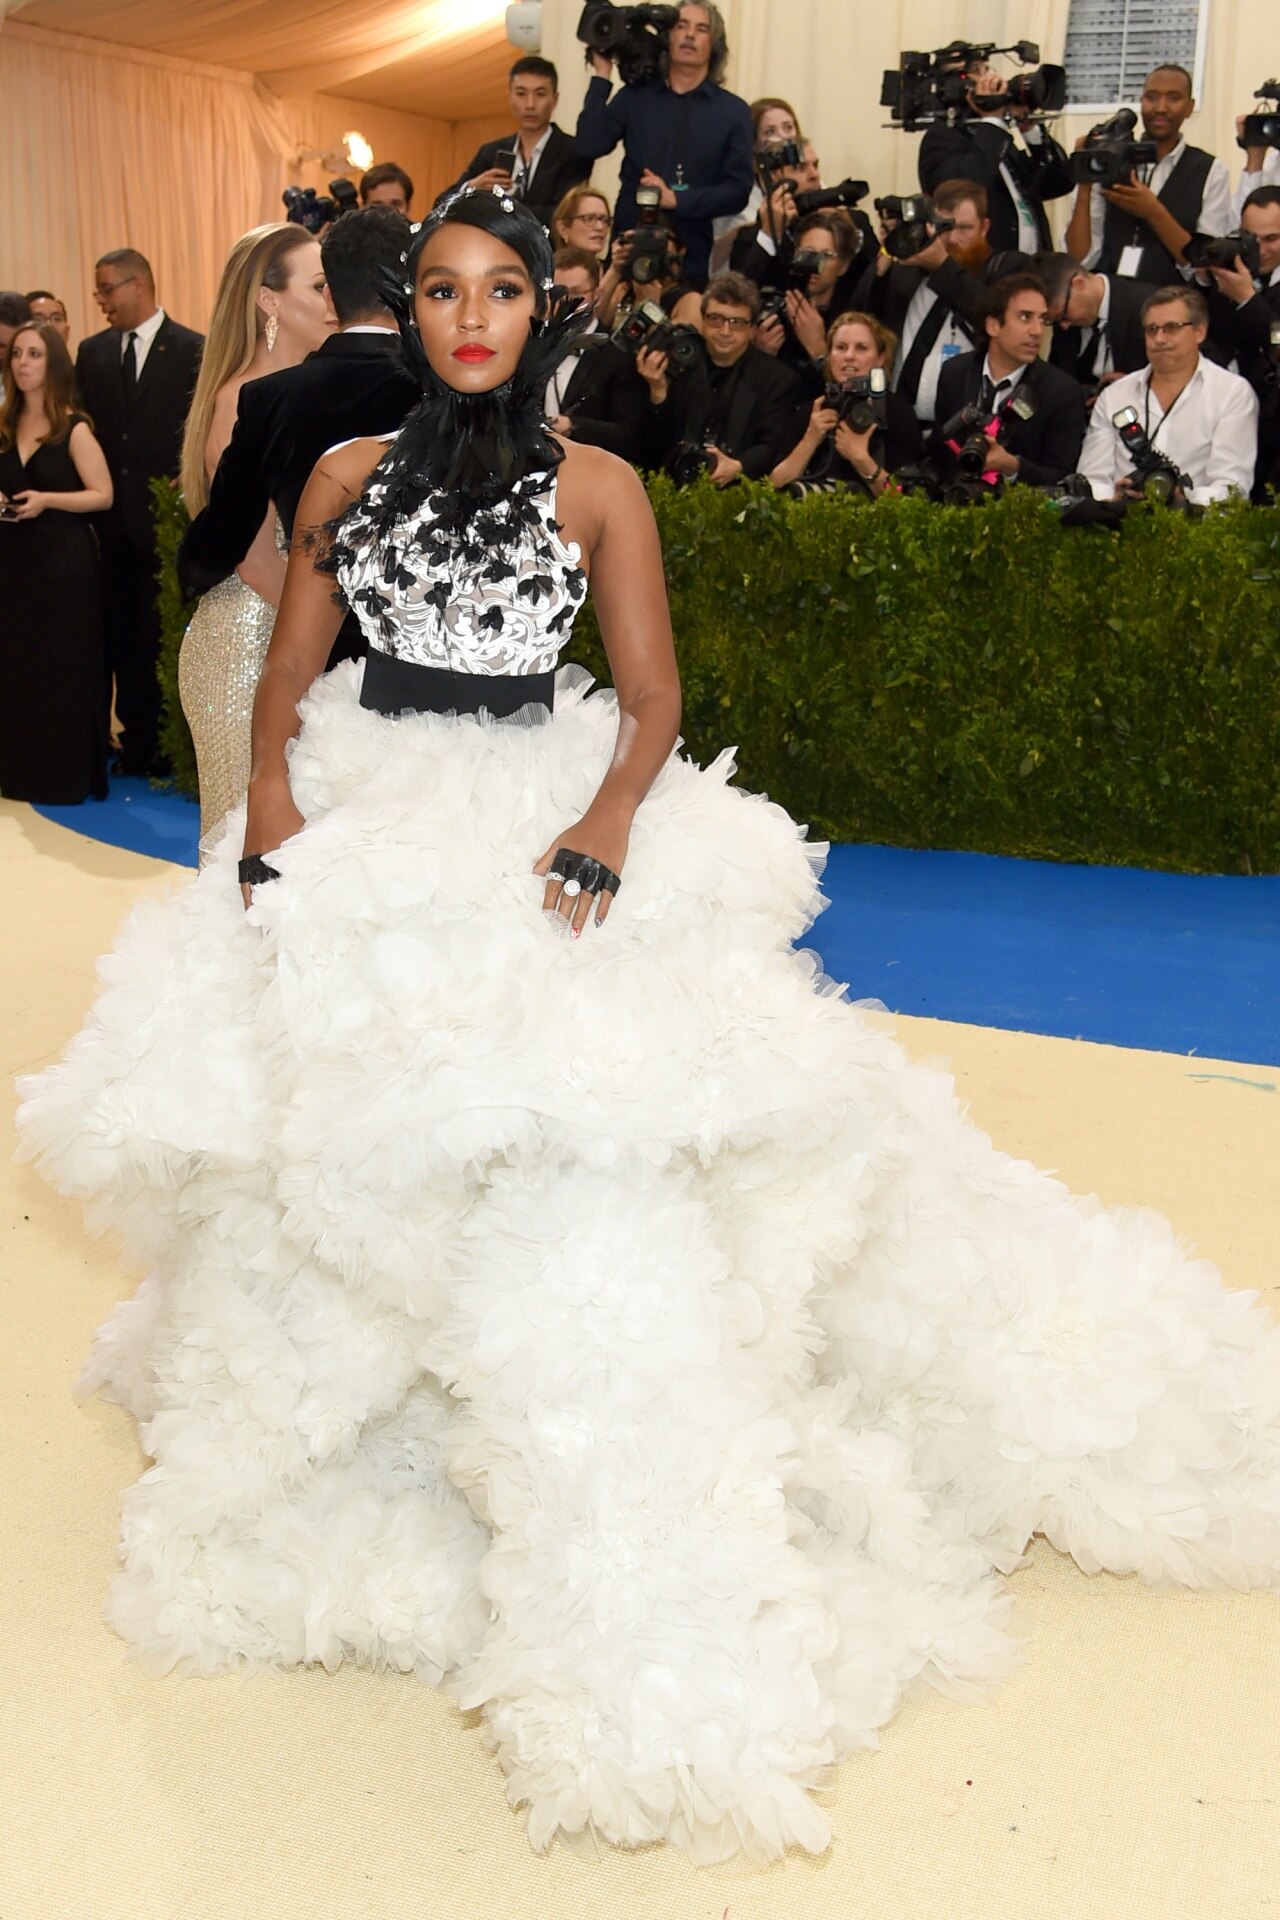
1132	1768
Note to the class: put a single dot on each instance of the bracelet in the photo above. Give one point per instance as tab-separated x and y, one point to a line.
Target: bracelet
877	473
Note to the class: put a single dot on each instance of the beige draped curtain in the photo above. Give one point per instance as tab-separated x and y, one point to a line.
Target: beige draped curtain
104	146
827	56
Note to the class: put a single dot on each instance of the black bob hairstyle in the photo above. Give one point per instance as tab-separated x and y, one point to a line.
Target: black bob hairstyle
508	220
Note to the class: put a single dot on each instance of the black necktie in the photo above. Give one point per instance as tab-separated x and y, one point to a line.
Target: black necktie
989	393
908	381
129	365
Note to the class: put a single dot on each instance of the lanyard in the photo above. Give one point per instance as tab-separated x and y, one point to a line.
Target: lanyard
1146	410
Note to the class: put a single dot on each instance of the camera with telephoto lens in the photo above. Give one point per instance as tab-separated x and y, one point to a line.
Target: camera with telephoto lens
860	402
635	38
1238	249
1154	474
918	224
818	199
968	437
1263	129
928	87
646	328
775	160
314	211
690	459
1109	156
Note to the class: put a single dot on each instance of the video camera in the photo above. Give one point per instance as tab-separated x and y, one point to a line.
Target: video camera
1155	475
646	328
860	402
927	87
635	38
1204	250
314	211
1263	129
1108	156
918	224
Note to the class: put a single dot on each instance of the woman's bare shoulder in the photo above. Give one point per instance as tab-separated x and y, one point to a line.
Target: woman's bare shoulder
350	463
594	487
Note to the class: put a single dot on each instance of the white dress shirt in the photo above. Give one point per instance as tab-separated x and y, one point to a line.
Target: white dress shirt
558	384
143	334
522	170
1268	176
1215	208
1210	432
952	340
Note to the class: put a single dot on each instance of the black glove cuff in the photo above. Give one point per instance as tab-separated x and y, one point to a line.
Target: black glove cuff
254	871
591	875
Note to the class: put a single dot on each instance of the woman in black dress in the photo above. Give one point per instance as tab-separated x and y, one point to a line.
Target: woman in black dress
53	670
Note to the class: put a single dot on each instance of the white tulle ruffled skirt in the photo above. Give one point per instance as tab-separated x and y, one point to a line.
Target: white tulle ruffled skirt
620	1333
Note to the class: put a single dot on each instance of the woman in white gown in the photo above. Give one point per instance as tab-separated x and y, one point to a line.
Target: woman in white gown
618	1330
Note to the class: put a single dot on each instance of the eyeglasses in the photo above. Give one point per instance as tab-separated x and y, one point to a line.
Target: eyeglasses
592	219
1165	329
112	286
736	322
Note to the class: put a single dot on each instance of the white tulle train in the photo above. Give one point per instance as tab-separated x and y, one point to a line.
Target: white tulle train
620	1333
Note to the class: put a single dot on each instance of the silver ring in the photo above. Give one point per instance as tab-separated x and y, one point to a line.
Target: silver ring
571	889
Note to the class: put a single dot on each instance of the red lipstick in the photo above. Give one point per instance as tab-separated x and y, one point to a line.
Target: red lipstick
474	352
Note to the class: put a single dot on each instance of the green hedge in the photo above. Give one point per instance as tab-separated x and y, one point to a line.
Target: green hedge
980	677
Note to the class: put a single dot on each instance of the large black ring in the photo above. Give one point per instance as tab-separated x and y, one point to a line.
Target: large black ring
592	875
254	871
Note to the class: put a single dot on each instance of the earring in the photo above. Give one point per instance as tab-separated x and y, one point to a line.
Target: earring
272	329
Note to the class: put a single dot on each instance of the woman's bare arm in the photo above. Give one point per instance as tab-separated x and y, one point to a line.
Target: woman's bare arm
605	498
306	627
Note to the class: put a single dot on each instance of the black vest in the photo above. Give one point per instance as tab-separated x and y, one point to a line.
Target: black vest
1183	195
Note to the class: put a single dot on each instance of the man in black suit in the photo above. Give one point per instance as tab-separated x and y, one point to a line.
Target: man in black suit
1244	325
595	394
1096	317
538	163
1041	409
740	403
352	386
1018	162
135	381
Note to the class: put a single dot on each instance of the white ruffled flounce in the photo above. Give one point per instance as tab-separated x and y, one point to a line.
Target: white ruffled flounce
620	1332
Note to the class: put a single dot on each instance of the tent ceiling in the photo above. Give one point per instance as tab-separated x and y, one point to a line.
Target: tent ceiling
446	58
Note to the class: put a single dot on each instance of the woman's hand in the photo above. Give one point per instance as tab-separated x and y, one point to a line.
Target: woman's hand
822	421
854	447
272	819
28	505
603	834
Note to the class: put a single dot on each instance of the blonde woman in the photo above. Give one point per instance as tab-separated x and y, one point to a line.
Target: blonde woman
270	313
583	219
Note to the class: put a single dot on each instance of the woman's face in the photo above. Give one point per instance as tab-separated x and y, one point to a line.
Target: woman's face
305	316
776	126
853	353
474	302
28	361
589	226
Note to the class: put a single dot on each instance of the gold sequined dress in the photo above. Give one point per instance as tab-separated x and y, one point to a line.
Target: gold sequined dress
222	654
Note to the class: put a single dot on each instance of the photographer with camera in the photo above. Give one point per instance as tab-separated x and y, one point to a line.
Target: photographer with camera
859	431
821	273
1033	414
1241	281
682	132
1258	134
733	412
774	124
1096	317
595	394
1182	422
538	163
1139	228
928	283
996	142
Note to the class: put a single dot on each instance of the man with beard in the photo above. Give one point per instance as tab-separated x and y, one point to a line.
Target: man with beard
1140	230
933	300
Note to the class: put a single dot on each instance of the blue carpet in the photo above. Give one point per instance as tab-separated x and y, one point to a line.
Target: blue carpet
1178	963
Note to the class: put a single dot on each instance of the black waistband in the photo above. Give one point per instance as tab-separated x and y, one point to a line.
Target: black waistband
394	686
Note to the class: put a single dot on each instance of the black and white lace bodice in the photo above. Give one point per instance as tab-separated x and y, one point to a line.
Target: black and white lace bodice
469	588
